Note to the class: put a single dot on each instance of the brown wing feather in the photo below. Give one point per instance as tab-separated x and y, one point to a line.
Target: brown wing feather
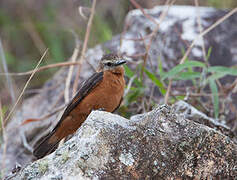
45	146
118	105
87	86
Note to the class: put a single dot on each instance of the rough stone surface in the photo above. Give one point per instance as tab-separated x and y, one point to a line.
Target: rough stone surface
176	32
193	114
156	145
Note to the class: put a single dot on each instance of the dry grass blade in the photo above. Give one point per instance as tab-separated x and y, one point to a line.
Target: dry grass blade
129	85
27	121
27	83
144	13
42	68
70	71
84	12
84	48
9	80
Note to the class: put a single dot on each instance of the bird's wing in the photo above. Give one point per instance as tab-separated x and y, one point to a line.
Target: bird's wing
87	86
118	105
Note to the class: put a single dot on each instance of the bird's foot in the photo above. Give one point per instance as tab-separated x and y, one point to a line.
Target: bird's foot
101	109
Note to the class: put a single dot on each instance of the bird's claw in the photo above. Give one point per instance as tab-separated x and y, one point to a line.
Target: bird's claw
101	109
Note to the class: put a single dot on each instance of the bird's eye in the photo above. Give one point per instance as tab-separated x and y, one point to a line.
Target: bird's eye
109	64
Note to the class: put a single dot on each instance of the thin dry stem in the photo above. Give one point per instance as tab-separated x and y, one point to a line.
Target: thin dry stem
80	10
45	116
162	16
129	84
60	96
84	48
70	71
27	83
125	27
42	68
54	112
197	94
143	11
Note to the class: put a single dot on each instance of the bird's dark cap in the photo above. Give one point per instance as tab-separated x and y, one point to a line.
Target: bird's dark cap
110	56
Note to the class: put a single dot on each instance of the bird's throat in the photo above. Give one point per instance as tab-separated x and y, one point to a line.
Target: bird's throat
118	70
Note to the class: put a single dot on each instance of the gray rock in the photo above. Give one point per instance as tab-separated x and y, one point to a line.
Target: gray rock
156	145
193	114
178	29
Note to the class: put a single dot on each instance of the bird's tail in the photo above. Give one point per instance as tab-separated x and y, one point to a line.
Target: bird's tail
46	145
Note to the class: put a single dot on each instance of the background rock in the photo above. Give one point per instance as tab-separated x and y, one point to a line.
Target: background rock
193	114
155	145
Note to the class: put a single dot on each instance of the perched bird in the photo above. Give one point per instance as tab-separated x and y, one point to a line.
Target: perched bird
103	90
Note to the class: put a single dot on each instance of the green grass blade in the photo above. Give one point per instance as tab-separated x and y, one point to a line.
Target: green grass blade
174	71
215	97
157	82
187	75
216	76
190	70
134	95
160	67
209	53
222	69
128	72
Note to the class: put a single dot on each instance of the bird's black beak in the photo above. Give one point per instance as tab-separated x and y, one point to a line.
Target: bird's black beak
119	62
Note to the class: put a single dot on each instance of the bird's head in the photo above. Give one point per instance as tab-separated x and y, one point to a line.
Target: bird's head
111	62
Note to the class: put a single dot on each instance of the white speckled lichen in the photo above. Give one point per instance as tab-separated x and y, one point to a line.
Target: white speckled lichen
43	166
126	159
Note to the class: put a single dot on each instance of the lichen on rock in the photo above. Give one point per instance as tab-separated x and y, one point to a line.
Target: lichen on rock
157	144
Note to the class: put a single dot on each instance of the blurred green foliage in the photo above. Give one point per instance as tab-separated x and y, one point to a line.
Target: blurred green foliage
26	36
137	90
207	76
